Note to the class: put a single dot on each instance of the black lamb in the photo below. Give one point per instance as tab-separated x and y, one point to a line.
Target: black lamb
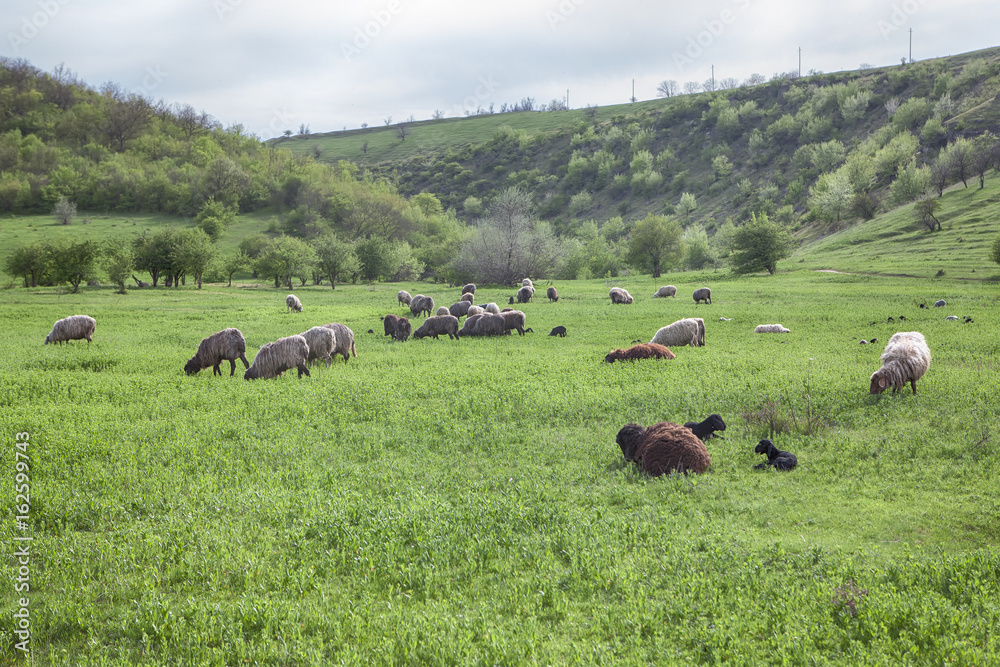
706	429
778	458
559	331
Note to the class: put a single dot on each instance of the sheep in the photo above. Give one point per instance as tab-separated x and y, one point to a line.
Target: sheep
705	430
420	304
322	342
470	325
619	295
492	308
275	358
403	297
906	358
345	340
524	294
475	310
640	351
389	323
664	447
702	294
506	310
951	317
292	303
442	310
779	459
558	331
468	297
469	289
681	333
514	319
666	290
527	283
140	283
459	309
940	304
771	328
403	330
552	293
437	325
486	324
74	327
227	344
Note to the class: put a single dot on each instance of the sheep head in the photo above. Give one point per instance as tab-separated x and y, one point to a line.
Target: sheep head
628	439
765	446
879	383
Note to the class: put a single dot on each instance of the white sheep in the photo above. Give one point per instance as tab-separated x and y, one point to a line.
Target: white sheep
403	297
527	283
322	342
771	328
476	310
619	295
682	332
345	340
666	290
492	308
74	327
906	358
292	303
275	358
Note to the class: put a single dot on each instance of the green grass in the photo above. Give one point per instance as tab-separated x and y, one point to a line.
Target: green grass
462	502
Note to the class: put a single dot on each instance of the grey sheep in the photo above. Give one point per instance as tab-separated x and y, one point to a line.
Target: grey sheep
460	308
322	341
689	331
403	330
442	310
940	304
438	325
666	290
74	327
403	297
275	358
514	319
226	345
524	294
491	325
470	288
906	358
421	304
552	293
389	323
527	283
469	328
702	294
619	295
468	297
292	303
345	340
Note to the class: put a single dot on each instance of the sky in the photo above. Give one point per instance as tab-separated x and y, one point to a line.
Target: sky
276	66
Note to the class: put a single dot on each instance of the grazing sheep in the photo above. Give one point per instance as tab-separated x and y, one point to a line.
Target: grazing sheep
906	358
771	328
140	283
952	317
292	303
681	333
940	304
705	430
664	447
442	310
468	297
524	294
619	295
345	340
469	328
459	309
275	358
514	319
74	327
403	297
437	325
226	345
421	304
475	310
492	308
640	351
779	459
558	331
486	324
322	342
527	283
403	330
666	290
389	323
702	294
469	289
552	293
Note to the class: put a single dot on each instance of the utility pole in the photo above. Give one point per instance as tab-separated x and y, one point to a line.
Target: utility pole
911	45
632	99
713	77
567	99
800	62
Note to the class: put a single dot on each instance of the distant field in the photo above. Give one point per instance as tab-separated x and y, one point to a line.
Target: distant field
464	502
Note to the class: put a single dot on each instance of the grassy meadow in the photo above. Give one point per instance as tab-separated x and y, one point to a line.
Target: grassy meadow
464	502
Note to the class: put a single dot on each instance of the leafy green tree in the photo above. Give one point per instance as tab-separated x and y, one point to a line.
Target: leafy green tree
758	245
375	256
995	251
64	211
655	244
925	210
214	217
283	258
75	262
232	263
118	261
335	258
832	195
698	253
194	252
31	262
909	184
154	253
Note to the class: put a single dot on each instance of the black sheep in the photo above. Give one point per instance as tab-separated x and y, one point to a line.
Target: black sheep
706	429
559	331
780	459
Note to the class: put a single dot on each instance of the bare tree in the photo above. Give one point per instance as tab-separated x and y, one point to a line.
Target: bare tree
755	79
191	122
438	114
402	131
892	106
940	175
959	159
691	87
364	148
364	125
303	129
64	211
387	120
727	83
125	115
667	88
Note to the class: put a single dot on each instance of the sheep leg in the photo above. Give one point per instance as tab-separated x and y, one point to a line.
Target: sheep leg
216	370
913	384
232	368
303	370
243	358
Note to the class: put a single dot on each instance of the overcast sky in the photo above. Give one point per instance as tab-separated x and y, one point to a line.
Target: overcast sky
273	66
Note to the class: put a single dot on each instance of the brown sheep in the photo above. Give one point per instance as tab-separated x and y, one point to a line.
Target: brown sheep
664	447
640	351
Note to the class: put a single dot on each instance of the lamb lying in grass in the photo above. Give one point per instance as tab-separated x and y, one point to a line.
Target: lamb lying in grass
777	458
705	430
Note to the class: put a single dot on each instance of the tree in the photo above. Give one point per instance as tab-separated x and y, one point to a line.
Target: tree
194	252
214	217
698	253
31	262
832	194
438	114
925	210
402	131
154	253
232	263
283	258
74	263
758	245
374	254
118	261
940	175
692	87
335	258
64	211
959	158
983	148
995	251
655	244
125	115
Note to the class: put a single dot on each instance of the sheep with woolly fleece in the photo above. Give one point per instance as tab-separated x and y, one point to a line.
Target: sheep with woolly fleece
460	308
940	304
524	294
702	294
438	325
442	310
469	288
514	319
322	341
664	447
640	351
389	323
345	340
403	297
771	328
292	303
421	304
469	328
468	297
226	345
403	330
666	290
492	308
705	429
619	295
552	293
486	324
275	358
527	283
905	359
74	327
776	458
475	310
681	333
